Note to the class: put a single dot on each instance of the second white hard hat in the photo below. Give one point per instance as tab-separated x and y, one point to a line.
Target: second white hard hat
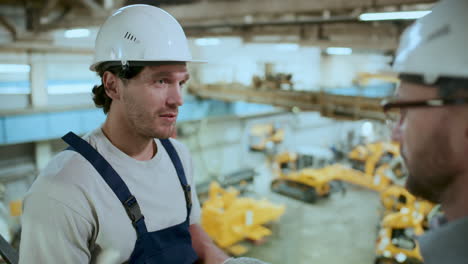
435	45
139	34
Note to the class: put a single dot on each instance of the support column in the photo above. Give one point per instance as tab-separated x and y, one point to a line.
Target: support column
42	154
39	99
38	80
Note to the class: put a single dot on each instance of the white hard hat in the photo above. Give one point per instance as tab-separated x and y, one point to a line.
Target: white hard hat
436	44
138	34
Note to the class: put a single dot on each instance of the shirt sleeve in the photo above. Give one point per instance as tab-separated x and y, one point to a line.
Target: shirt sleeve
53	232
196	210
195	214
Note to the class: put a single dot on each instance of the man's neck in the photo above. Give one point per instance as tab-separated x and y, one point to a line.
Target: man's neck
129	142
454	199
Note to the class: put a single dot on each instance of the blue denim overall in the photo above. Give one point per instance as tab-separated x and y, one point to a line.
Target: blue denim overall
172	245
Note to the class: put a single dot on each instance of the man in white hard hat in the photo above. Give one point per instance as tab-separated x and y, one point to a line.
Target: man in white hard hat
124	193
430	117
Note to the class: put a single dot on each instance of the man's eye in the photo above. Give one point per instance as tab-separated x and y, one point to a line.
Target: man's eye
161	81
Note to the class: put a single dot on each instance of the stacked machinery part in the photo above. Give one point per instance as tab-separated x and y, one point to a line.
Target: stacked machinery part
229	219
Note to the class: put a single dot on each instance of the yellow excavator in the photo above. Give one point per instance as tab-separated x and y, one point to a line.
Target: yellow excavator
395	198
405	217
368	157
370	169
397	237
229	219
396	241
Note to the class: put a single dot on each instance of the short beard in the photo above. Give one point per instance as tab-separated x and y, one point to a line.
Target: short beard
432	174
139	119
429	189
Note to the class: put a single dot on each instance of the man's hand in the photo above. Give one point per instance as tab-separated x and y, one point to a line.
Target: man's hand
243	261
206	250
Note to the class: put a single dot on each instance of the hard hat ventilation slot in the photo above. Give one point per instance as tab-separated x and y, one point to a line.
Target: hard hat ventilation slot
130	37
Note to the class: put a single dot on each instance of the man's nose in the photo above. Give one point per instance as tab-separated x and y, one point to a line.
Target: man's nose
175	96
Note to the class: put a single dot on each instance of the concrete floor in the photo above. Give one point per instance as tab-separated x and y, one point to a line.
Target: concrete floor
339	229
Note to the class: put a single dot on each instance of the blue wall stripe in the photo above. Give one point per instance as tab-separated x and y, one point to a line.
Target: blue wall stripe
43	126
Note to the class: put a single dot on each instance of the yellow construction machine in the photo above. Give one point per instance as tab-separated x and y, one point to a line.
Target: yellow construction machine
405	217
396	242
273	82
371	165
368	157
264	137
229	219
397	198
364	78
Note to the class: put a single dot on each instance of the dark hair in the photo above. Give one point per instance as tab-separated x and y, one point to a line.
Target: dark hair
100	98
447	86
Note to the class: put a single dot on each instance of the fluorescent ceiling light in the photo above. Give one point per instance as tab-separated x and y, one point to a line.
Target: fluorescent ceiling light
14	68
339	51
287	46
207	41
77	33
393	15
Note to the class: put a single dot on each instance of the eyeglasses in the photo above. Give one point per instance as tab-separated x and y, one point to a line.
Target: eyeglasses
396	110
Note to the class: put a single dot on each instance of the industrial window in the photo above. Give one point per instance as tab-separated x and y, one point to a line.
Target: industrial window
14	79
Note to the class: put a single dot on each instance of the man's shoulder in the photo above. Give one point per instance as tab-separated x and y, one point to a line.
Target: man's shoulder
66	183
446	244
65	175
68	166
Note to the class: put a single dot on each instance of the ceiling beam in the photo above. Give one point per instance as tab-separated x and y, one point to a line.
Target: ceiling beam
207	14
382	36
264	18
94	7
50	5
329	105
206	10
25	47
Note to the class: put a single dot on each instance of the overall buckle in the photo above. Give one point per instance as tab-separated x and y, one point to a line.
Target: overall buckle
133	209
188	195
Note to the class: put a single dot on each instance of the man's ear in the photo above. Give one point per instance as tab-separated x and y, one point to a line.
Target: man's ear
111	85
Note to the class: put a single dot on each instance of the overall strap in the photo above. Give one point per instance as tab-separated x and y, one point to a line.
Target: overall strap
180	173
111	177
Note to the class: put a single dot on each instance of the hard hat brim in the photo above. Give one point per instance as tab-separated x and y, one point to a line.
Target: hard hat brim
108	64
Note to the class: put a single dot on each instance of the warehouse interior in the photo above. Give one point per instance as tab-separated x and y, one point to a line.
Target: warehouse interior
290	89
